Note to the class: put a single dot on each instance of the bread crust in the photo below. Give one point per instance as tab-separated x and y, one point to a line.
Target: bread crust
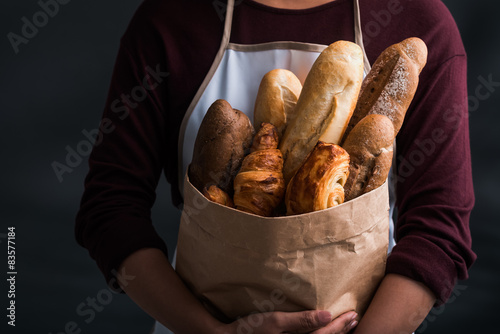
224	137
370	147
278	93
325	105
391	84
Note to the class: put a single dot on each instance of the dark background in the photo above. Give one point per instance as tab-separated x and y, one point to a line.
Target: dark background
55	87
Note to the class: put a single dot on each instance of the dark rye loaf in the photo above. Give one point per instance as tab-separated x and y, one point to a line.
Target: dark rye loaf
224	137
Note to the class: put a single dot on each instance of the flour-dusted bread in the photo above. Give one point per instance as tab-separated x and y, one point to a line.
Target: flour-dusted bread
391	84
325	104
224	137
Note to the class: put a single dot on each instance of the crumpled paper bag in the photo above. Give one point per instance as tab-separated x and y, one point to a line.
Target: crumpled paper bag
238	263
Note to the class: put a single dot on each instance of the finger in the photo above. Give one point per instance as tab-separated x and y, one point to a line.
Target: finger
304	322
340	325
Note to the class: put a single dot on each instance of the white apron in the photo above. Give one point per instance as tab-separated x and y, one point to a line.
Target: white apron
224	81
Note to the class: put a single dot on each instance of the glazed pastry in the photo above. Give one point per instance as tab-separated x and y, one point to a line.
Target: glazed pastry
217	195
318	184
259	186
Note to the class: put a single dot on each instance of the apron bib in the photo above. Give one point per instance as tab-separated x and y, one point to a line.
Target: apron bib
252	62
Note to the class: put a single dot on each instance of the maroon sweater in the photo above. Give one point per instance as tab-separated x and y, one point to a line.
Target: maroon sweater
165	54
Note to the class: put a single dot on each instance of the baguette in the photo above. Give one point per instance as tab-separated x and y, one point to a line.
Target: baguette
325	104
370	147
276	99
391	84
224	137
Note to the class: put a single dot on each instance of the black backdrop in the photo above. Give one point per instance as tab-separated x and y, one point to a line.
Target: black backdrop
54	88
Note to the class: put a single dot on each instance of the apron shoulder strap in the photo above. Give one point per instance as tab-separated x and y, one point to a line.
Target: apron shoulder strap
228	24
358	35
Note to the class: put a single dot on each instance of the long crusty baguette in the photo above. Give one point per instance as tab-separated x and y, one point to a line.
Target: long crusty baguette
278	93
369	146
325	105
224	137
391	84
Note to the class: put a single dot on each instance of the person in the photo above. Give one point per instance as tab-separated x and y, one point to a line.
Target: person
177	57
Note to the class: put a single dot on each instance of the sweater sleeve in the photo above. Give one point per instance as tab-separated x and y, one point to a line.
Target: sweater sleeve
434	183
127	161
164	55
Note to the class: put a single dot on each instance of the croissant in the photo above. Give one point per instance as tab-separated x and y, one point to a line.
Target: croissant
217	195
259	186
318	183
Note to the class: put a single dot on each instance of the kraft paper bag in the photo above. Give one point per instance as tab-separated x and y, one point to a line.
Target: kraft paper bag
238	263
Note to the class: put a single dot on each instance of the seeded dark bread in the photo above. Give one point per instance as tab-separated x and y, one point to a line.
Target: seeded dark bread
224	137
370	147
391	84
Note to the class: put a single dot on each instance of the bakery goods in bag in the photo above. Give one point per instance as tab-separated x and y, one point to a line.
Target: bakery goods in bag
370	147
234	261
318	184
217	195
391	84
322	114
259	186
325	104
278	93
224	137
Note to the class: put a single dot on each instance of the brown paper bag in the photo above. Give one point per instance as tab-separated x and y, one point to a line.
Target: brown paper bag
239	263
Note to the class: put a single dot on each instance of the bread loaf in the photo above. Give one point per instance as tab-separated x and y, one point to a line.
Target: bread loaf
276	99
224	137
325	104
391	84
370	147
318	183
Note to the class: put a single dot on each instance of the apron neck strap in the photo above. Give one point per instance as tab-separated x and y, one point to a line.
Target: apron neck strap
228	23
358	35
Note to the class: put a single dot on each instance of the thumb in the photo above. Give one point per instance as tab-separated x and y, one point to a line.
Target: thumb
307	321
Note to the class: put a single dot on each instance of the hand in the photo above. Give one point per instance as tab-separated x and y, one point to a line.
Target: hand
314	322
